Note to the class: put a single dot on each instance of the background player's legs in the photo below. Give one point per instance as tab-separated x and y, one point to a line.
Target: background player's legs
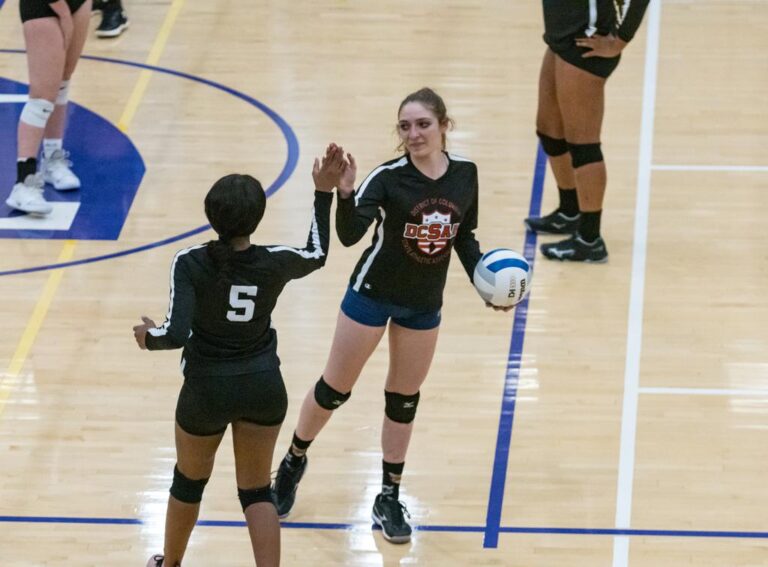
55	163
194	458
254	446
353	344
55	127
549	121
45	60
581	98
549	128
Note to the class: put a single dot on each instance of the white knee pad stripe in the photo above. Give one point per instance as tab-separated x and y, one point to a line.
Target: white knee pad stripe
36	112
63	97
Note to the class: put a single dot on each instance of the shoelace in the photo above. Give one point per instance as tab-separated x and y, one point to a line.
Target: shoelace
59	157
35	182
398	509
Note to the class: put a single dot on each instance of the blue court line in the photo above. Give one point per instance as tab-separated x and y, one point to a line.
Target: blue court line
424	528
291	159
511	380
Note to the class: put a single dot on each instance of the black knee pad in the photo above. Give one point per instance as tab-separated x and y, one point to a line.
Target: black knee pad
254	495
185	489
552	146
401	408
583	154
328	398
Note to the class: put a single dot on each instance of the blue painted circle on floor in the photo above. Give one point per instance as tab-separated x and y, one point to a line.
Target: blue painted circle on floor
288	168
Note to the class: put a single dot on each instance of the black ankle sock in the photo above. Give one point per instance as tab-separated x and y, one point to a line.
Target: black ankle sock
589	229
390	480
24	168
569	202
296	452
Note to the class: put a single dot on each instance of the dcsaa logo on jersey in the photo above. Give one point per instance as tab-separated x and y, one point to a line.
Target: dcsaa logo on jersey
434	232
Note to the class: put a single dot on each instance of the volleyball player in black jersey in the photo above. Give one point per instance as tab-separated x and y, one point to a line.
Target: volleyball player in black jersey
584	40
423	204
222	296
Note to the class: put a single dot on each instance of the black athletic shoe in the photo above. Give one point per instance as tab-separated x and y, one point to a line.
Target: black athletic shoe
576	249
286	483
554	223
113	21
390	513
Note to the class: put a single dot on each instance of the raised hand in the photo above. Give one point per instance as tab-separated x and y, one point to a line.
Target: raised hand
347	181
327	173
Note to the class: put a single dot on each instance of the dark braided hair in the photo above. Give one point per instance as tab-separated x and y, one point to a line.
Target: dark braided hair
234	207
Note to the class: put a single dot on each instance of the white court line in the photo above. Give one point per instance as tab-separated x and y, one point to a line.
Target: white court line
703	392
636	293
737	168
13	98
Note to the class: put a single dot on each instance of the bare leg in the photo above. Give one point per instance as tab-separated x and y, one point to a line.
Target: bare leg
195	456
581	98
410	356
353	344
45	60
550	122
254	446
55	127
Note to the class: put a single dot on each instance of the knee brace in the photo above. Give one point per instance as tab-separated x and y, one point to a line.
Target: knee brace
63	97
185	489
552	146
401	408
328	398
36	112
254	495
584	154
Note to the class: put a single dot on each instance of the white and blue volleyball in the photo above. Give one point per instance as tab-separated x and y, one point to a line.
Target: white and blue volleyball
502	277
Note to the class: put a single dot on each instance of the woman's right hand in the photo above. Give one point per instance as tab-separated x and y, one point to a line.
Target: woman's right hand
346	184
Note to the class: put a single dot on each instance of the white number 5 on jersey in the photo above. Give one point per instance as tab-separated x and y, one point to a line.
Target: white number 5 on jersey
242	308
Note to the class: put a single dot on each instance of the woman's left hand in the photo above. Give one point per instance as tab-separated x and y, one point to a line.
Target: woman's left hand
497	308
140	331
601	45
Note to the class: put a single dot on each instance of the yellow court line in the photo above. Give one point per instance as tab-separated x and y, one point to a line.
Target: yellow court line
154	57
10	378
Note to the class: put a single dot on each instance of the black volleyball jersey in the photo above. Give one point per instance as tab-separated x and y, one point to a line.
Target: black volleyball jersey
565	20
226	328
418	221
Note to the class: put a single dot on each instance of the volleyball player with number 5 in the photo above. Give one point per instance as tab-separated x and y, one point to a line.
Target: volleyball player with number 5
221	300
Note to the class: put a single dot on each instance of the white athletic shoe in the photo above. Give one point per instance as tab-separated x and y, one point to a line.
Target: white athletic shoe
28	196
56	171
155	561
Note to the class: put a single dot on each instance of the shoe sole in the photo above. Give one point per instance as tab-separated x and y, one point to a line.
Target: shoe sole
585	261
546	231
17	206
113	33
288	512
395	539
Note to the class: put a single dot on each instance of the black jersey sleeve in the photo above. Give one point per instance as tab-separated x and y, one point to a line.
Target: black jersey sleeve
355	214
633	11
298	262
175	331
466	245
